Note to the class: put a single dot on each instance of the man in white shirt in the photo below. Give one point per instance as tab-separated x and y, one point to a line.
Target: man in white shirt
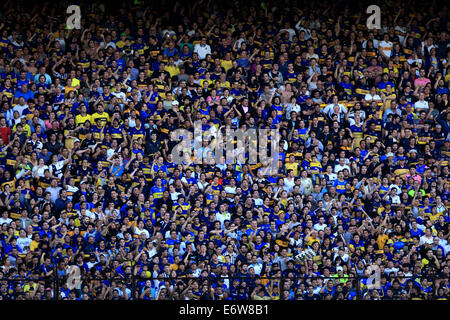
335	108
54	190
289	182
300	28
320	226
23	241
256	265
289	30
341	166
371	37
372	96
202	49
421	104
5	218
120	95
355	113
223	215
427	45
21	106
427	237
385	47
390	268
87	213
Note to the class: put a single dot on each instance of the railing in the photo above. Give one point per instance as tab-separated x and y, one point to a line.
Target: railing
132	287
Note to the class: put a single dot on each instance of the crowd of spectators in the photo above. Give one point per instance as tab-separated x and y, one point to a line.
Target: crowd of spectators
88	179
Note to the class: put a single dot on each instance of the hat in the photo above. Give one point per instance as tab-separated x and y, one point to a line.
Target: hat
390	154
175	103
339	268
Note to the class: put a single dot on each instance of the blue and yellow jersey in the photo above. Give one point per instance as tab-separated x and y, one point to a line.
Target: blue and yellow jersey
208	82
160	87
204	111
139	48
315	166
137	133
202	71
163	168
107	97
104	117
353	245
142	84
266	64
279	109
101	63
10	160
225	85
85	64
383	190
291	76
79	119
29	113
293	166
340	185
4	42
170	166
303	133
348	87
267	210
8	92
115	132
185	206
156	192
209	198
146	170
97	133
356	131
153	98
362	90
12	186
216	189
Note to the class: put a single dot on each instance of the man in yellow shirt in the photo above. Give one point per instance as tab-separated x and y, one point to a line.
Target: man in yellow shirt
172	68
75	83
226	63
83	116
100	114
311	238
292	165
